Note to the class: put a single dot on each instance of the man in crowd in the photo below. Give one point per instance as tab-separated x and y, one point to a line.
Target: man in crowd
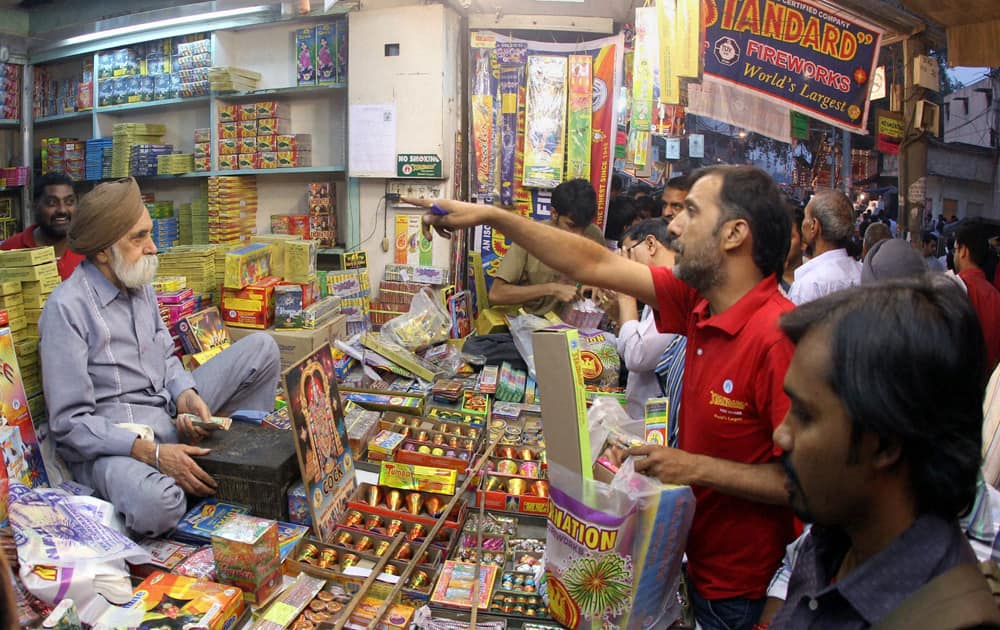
882	449
114	387
54	204
874	233
826	231
929	249
522	278
796	214
973	256
639	343
674	194
731	243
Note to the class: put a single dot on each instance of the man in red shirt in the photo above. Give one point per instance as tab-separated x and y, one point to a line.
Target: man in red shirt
55	202
732	239
972	254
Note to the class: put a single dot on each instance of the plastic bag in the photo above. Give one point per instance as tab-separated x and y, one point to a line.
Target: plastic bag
72	547
614	550
425	324
521	326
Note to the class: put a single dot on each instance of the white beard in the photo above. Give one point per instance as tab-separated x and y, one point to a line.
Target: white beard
137	274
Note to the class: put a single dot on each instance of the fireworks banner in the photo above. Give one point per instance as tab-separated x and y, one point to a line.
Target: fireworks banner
794	53
545	122
579	129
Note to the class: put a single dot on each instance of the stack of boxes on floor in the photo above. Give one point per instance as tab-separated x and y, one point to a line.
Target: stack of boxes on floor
27	278
399	284
176	301
271	284
258	135
197	265
349	281
8	223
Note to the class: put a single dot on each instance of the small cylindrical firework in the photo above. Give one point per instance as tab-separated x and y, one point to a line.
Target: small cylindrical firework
394	526
353	518
364	543
404	552
437	439
507	452
399	420
422	436
394	500
437	451
381	548
419	579
415	422
473	433
433	506
468	445
405	432
373	521
391	569
540	488
515	485
453	441
349	560
450	453
328	557
492	484
417	531
526	454
424	557
414	502
374	495
423	448
344	538
309	553
507	467
528	469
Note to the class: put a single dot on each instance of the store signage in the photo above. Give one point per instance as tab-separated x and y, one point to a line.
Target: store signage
673	149
796	53
696	145
418	165
800	126
889	129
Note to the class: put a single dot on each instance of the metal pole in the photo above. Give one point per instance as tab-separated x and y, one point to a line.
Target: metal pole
845	170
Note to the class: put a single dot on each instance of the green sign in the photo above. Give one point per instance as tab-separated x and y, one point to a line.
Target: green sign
800	126
418	165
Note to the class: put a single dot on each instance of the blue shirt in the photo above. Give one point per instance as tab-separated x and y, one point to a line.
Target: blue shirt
930	547
107	358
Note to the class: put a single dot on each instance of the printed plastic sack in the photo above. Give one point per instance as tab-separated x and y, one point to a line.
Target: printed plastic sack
614	550
521	326
426	323
72	547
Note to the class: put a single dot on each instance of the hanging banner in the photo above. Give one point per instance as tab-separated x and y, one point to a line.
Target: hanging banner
731	104
545	121
673	149
687	46
645	63
512	57
483	155
794	53
696	145
578	131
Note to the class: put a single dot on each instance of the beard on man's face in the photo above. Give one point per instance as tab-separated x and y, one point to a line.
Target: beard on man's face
134	275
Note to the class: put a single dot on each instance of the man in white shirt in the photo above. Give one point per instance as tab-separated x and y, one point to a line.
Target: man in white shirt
826	231
639	343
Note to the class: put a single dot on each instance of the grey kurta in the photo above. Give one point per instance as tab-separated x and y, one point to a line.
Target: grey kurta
107	358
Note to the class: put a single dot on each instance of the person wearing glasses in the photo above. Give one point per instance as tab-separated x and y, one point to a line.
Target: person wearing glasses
114	388
55	202
522	279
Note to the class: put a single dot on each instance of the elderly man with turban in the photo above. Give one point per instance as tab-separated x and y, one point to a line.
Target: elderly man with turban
112	383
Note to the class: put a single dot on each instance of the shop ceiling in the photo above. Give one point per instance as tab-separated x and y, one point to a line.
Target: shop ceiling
53	21
973	28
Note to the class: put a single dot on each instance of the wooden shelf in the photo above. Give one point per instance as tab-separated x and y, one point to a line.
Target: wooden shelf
170	102
283	171
68	117
304	90
10	122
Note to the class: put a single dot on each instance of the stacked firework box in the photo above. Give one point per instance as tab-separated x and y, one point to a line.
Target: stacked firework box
98	160
125	136
143	158
195	263
257	135
203	149
322	213
66	155
232	209
165	226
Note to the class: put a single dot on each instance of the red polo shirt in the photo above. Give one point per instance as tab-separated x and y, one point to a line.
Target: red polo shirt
26	240
986	301
731	402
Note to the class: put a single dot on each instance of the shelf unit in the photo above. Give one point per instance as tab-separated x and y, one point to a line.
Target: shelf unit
319	110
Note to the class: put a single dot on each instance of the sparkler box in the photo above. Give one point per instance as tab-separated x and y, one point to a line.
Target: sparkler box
245	549
180	599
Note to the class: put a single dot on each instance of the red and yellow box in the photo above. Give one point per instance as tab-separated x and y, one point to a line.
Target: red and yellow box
245	549
248	160
268	159
270	109
250	307
248	144
271	126
228	130
229	113
178	599
248	111
228	162
298	224
247	129
229	146
288	159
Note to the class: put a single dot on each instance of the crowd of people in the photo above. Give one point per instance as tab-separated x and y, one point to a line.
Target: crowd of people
818	372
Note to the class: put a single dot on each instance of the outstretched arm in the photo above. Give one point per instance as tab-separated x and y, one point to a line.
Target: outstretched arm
577	257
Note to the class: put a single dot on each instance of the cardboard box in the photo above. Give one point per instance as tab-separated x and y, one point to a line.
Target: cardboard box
247	265
294	345
249	307
27	257
37	273
564	406
246	555
170	597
